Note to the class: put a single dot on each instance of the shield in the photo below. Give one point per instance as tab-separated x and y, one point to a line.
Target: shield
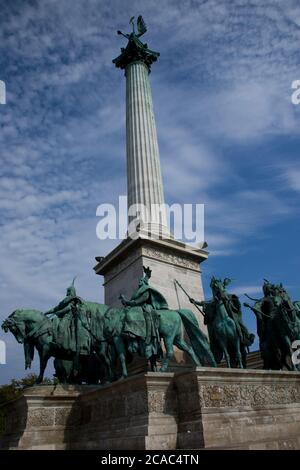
135	324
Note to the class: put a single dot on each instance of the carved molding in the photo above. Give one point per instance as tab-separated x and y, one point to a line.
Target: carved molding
165	255
154	253
248	395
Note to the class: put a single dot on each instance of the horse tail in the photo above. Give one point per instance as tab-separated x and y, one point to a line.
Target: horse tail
199	341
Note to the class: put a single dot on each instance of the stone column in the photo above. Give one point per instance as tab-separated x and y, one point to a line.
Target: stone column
146	211
144	179
168	258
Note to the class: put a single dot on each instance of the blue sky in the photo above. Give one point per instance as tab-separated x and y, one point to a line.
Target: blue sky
228	133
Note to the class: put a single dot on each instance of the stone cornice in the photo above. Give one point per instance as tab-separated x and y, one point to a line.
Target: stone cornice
135	51
175	252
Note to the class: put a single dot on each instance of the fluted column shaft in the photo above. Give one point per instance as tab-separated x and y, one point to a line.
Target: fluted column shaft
144	179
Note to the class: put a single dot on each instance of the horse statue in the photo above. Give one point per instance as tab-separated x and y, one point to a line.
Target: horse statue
229	337
78	329
278	326
287	325
127	329
146	320
34	329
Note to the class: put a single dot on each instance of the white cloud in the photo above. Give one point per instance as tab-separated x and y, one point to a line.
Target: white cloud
292	177
222	82
247	289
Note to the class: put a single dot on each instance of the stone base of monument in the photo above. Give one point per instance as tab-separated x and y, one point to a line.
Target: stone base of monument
191	409
169	260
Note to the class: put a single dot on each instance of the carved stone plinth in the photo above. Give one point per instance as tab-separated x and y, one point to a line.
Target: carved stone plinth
42	418
238	409
192	409
136	413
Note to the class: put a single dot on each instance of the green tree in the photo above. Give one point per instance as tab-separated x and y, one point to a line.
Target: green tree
15	388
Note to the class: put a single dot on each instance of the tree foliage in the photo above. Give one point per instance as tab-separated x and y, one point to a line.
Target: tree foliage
15	388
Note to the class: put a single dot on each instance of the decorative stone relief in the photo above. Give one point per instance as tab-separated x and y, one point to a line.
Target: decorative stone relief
67	416
164	255
40	417
247	395
156	401
161	401
157	254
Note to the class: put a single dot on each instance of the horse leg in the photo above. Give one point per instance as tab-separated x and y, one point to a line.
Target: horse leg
109	372
153	363
239	355
285	355
108	367
168	342
100	351
120	348
226	354
44	356
244	356
288	363
181	344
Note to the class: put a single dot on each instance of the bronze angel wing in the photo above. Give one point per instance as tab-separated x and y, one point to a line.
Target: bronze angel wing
141	26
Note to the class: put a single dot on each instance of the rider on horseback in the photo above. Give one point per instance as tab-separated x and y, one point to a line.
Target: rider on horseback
150	300
278	326
233	308
70	331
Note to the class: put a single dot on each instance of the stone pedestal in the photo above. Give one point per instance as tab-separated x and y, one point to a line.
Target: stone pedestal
136	413
168	259
238	409
42	418
192	409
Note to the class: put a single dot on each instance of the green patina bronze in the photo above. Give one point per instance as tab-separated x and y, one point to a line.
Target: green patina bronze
151	301
149	309
63	338
90	342
135	51
88	339
278	325
229	337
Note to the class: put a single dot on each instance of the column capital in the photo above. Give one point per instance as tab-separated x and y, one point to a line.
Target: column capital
135	51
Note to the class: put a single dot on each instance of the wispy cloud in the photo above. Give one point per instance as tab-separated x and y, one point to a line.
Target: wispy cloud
292	176
221	94
250	290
